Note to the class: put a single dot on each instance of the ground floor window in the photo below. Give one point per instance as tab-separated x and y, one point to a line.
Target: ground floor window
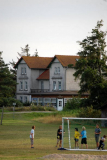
21	98
45	101
25	99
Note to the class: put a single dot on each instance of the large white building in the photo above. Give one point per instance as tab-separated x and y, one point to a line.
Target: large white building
45	80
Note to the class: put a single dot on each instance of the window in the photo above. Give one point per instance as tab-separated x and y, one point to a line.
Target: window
47	100
21	98
55	70
59	85
23	70
60	103
42	85
26	85
21	85
54	85
25	99
58	70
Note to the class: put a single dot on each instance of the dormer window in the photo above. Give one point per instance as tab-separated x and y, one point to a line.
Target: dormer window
57	70
23	70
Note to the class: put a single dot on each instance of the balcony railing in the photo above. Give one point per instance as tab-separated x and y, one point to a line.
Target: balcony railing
39	90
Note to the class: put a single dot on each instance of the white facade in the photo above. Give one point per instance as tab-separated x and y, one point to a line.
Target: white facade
57	74
42	91
71	83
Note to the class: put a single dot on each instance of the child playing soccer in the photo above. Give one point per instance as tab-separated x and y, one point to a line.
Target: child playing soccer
84	137
76	138
97	134
102	142
59	136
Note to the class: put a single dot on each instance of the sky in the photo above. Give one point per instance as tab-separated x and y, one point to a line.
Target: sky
53	27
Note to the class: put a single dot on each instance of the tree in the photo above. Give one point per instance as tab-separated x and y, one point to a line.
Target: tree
91	68
13	71
36	53
25	51
7	84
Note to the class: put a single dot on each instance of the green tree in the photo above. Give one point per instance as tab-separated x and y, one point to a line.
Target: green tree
24	51
7	83
13	71
91	68
36	53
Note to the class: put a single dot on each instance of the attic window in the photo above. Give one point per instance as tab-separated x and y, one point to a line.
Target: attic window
57	70
23	70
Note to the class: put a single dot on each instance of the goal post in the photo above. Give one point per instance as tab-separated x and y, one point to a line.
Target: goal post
70	123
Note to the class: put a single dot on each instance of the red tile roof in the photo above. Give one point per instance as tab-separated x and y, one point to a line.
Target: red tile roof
66	60
44	62
44	75
35	62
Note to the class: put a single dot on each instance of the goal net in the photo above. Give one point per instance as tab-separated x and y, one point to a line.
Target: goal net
69	124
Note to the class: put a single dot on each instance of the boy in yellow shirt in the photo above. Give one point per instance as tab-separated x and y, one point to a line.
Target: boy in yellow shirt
76	138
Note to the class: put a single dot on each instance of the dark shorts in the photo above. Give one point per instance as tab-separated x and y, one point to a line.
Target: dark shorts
84	141
76	140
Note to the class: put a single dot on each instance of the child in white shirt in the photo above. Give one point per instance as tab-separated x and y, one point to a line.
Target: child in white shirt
32	136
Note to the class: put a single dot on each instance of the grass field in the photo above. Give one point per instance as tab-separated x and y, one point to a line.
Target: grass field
15	142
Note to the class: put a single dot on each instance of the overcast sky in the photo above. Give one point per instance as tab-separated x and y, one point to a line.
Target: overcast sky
50	26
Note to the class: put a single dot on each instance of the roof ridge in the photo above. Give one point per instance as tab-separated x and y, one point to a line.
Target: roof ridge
68	55
36	57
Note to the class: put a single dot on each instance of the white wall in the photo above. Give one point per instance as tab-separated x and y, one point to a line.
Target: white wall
25	77
71	84
55	77
46	84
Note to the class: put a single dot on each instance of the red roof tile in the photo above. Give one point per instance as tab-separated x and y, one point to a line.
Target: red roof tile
44	62
44	75
65	60
35	62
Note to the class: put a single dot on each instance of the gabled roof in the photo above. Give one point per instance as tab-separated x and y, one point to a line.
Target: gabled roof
35	62
65	60
44	75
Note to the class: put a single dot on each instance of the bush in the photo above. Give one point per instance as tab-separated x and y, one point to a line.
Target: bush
41	108
73	103
89	112
9	102
27	104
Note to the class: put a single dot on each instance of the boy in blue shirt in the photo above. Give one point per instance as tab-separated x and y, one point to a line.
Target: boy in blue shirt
84	137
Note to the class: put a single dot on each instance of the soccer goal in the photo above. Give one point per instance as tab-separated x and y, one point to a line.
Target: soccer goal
68	126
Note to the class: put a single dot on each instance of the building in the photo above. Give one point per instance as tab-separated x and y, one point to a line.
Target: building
45	80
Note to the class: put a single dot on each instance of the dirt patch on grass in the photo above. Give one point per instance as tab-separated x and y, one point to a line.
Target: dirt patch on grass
74	157
50	119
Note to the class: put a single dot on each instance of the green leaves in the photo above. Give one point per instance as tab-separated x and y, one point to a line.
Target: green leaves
91	67
7	82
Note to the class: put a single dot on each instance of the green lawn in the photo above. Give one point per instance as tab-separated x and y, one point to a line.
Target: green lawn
15	142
